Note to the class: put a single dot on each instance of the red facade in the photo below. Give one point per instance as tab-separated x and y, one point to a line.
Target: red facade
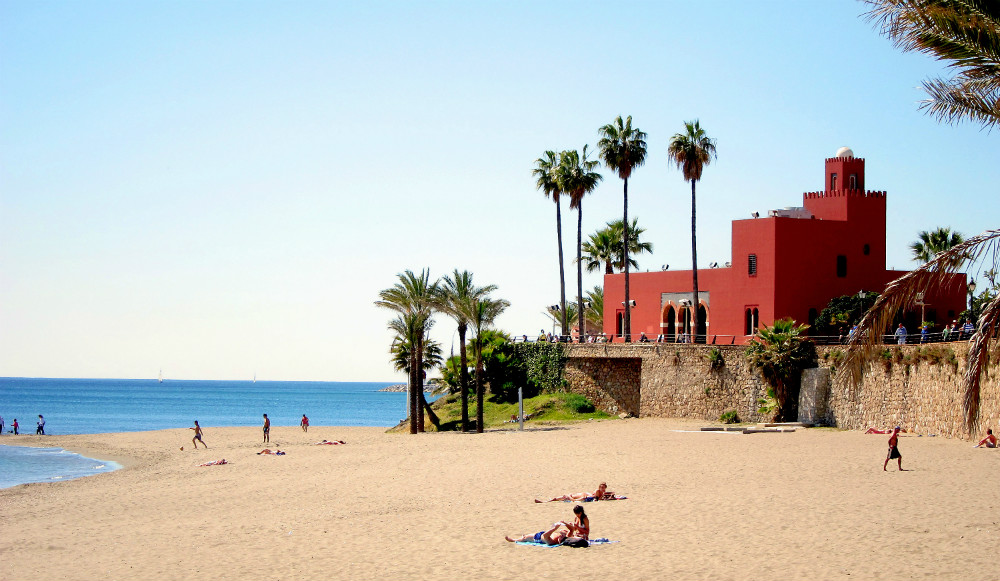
790	263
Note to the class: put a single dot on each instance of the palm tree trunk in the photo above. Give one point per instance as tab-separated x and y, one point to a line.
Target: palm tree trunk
694	267
579	269
412	396
420	382
628	308
464	377
430	411
479	385
562	273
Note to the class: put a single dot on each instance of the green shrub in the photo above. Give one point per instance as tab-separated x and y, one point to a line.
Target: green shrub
715	359
730	417
579	404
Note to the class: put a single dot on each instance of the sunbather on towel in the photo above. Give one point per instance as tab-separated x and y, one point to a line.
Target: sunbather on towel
553	536
269	452
215	463
602	493
333	443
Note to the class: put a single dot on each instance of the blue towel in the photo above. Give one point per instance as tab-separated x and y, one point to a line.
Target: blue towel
543	544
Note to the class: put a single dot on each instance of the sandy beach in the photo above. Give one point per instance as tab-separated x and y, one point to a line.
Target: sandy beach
810	504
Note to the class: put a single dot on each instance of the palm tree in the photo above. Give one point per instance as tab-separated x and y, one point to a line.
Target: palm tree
547	181
866	343
455	298
964	32
595	310
413	297
601	248
483	313
781	353
930	244
605	247
691	151
576	177
623	148
404	354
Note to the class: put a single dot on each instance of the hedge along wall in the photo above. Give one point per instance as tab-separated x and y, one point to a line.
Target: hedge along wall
917	387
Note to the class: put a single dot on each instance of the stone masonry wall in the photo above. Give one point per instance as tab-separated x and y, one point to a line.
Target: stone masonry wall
917	390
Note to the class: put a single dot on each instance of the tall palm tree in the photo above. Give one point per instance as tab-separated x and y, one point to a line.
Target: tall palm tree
691	151
456	297
623	148
964	32
413	296
635	245
930	244
576	177
548	182
483	313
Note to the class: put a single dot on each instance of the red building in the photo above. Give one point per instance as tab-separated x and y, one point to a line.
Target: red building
789	263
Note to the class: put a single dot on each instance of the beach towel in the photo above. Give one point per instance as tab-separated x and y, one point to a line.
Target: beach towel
592	542
215	463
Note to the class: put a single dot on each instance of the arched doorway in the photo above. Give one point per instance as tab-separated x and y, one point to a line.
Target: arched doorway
669	325
701	333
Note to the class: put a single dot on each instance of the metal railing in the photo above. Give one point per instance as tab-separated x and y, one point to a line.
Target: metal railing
683	338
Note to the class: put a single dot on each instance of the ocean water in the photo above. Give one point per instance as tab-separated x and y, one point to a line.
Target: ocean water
90	406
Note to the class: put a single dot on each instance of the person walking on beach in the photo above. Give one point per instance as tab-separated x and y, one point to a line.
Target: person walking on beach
14	425
197	436
304	423
267	429
40	426
894	450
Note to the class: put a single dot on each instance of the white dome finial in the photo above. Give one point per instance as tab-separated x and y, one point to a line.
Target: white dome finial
845	152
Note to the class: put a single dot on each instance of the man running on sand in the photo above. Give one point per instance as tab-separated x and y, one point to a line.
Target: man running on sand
197	436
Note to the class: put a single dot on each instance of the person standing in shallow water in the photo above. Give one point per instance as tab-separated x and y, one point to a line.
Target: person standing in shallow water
40	426
267	429
14	425
894	450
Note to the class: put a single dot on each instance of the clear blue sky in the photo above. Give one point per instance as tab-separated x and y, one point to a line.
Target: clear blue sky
220	189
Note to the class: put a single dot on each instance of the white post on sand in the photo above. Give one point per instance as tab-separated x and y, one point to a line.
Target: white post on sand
520	407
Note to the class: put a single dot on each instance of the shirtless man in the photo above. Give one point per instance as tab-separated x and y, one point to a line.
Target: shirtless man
894	450
197	436
600	494
553	536
267	429
990	441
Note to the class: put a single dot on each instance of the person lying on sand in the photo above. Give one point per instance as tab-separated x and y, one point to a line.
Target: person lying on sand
885	431
553	536
215	463
990	441
333	443
267	451
602	493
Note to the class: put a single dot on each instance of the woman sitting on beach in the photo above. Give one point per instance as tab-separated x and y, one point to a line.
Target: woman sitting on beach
580	527
602	493
269	452
333	443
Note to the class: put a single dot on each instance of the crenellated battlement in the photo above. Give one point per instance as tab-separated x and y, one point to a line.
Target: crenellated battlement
858	160
844	194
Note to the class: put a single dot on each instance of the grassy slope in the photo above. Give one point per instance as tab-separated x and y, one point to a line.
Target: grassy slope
549	407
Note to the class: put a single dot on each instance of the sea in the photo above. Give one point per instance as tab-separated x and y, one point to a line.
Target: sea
93	406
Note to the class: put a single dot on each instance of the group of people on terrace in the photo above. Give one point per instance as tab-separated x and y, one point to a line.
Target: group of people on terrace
951	332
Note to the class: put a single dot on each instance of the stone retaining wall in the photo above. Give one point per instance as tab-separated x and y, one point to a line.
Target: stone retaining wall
919	388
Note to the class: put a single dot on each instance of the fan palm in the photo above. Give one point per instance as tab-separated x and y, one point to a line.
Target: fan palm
964	32
576	177
402	357
930	244
982	250
623	148
548	182
600	249
483	313
691	151
456	297
781	353
413	297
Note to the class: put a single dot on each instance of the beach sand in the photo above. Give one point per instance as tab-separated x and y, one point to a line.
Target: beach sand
811	504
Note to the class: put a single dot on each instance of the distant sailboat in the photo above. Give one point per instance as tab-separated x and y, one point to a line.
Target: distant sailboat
161	376
255	377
